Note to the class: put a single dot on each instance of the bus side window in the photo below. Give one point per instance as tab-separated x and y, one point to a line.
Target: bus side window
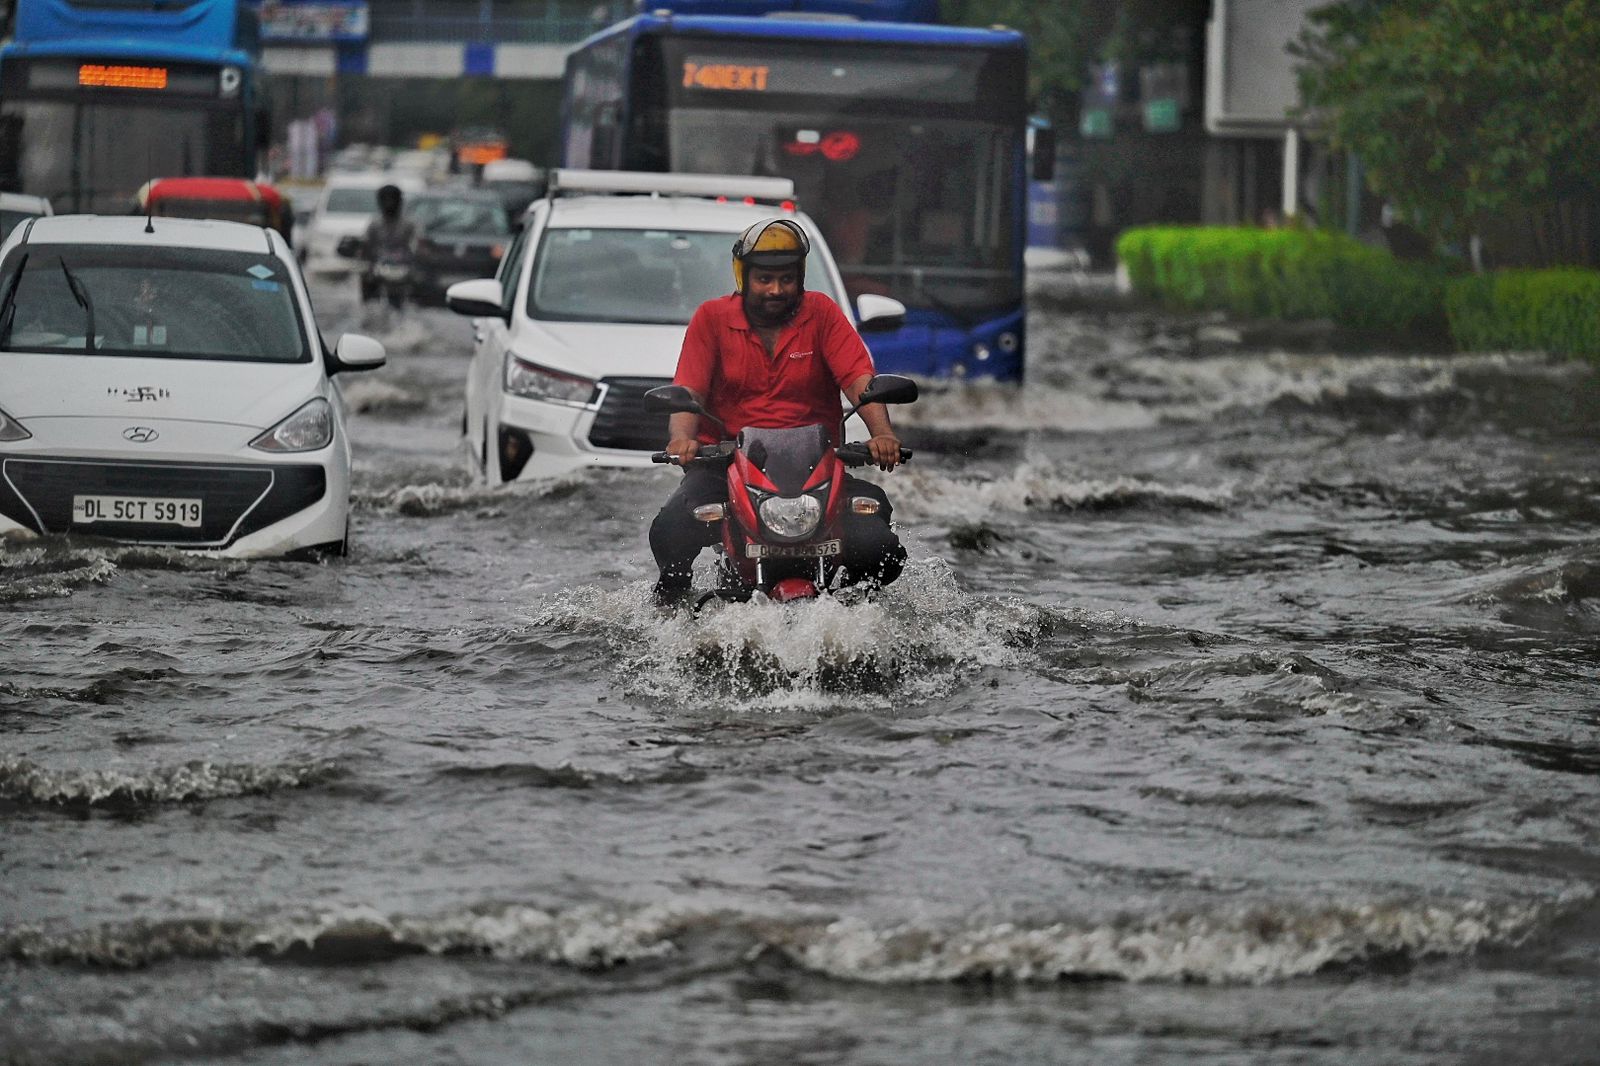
602	150
10	152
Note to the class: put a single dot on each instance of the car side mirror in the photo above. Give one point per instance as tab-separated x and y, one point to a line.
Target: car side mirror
888	388
478	298
357	352
875	314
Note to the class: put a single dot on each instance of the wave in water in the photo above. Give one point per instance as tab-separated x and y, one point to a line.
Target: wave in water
1243	945
25	782
918	494
369	396
913	642
1134	387
47	567
433	499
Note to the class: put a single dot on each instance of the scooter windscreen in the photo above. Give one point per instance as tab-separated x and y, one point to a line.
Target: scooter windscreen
787	457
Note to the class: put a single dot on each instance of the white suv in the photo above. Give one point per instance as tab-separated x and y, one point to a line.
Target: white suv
589	309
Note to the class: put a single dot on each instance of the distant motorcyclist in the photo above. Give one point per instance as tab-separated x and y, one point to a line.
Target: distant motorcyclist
771	355
388	250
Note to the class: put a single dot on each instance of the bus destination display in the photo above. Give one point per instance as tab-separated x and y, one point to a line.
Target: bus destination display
951	79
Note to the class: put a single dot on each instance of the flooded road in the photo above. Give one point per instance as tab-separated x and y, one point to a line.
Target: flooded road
1239	706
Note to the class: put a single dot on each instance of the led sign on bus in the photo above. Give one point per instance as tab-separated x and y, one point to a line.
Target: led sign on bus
945	78
102	76
725	77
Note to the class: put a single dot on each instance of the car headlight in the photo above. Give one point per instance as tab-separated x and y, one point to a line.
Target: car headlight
791	516
11	429
309	428
535	382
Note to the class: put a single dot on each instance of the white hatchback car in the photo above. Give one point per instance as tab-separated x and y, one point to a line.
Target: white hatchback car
165	383
347	204
589	308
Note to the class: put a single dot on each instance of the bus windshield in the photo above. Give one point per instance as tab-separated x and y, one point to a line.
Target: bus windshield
93	157
918	210
909	161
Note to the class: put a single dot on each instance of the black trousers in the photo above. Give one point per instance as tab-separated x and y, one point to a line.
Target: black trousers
871	550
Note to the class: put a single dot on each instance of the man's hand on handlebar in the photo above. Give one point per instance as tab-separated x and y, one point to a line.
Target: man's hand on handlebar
885	449
683	449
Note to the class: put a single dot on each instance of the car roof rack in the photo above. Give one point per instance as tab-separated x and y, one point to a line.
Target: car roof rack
565	182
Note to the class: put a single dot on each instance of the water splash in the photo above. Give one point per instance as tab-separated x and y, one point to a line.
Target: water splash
915	641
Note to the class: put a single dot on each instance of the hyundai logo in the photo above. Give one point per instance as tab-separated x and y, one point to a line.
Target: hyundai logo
140	434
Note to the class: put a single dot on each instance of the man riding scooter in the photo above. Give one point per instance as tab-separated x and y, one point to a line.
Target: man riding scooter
771	355
389	250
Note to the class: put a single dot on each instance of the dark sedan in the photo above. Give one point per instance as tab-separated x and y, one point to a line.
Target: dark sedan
461	234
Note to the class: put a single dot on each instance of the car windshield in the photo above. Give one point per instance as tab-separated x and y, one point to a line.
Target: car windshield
451	217
171	303
631	275
352	202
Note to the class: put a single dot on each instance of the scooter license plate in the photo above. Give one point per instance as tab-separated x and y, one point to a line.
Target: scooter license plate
792	551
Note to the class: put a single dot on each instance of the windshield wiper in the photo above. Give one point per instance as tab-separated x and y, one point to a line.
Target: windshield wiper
8	308
81	294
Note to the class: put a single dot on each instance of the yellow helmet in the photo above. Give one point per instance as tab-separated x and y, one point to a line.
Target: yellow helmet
777	242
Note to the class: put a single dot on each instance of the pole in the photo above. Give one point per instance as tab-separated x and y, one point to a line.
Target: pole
1291	173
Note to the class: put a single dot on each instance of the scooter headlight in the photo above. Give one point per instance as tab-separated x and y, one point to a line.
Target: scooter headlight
791	516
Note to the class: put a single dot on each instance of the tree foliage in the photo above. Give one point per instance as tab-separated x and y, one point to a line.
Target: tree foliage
1059	48
1066	36
1461	110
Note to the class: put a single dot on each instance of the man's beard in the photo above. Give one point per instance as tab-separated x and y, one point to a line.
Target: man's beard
772	311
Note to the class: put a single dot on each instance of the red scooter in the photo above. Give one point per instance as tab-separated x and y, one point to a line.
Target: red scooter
782	525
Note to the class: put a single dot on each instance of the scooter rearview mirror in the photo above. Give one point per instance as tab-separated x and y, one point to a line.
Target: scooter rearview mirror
671	399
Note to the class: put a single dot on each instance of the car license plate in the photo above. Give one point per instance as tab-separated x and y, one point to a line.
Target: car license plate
790	551
173	512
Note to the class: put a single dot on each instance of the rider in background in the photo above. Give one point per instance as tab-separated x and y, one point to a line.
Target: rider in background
390	242
771	355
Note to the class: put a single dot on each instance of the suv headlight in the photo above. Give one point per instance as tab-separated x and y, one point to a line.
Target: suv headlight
791	516
309	428
11	429
535	382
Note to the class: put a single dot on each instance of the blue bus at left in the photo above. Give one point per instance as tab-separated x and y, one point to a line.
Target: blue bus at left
96	98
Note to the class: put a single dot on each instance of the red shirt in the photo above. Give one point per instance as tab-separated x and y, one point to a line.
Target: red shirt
818	353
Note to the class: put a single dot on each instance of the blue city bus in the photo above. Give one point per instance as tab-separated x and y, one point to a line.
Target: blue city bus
99	96
906	142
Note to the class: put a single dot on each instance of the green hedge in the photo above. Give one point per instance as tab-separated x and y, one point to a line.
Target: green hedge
1284	274
1556	311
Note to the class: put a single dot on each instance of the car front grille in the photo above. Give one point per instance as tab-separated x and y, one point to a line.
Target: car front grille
623	422
235	500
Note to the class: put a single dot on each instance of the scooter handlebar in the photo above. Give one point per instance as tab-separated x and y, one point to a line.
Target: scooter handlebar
856	453
708	453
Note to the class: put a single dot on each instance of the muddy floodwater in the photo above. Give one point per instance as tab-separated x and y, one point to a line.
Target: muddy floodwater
1239	705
